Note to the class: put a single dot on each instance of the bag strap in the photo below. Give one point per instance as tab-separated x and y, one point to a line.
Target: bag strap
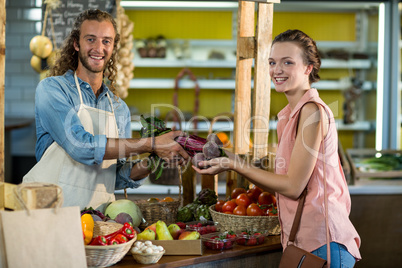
296	221
302	198
325	193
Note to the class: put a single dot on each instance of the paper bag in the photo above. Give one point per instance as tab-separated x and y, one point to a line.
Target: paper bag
49	237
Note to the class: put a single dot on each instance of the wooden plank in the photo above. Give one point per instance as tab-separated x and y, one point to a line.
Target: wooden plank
262	80
2	69
210	182
7	197
242	114
246	47
188	183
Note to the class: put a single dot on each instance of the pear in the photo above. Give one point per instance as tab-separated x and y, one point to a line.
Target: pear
174	230
162	231
147	234
152	227
189	235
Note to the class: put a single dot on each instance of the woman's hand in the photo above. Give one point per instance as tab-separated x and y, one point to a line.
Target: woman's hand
220	164
214	166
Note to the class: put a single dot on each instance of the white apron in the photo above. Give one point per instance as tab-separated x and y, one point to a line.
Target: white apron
83	185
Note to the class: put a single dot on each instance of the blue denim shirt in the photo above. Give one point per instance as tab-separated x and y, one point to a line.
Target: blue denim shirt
56	105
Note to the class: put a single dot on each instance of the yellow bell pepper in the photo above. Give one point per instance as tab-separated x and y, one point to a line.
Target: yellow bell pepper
87	223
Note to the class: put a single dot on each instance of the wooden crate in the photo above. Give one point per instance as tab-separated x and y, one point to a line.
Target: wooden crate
35	196
354	155
7	199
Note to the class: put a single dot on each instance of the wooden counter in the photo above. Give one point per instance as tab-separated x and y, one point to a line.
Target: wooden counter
266	255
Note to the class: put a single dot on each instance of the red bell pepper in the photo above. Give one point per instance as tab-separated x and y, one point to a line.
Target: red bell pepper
121	238
126	230
100	240
113	241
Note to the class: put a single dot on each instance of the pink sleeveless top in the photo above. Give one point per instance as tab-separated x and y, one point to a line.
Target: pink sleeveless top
311	234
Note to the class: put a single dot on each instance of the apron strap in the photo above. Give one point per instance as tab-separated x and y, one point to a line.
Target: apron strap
78	87
110	101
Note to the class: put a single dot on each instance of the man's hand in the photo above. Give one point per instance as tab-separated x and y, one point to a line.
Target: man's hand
169	150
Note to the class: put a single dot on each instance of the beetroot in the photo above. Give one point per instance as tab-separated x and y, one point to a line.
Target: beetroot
193	144
214	138
123	217
211	150
197	158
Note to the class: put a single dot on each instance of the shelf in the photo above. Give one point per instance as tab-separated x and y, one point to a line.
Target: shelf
149	83
228	126
199	50
193	63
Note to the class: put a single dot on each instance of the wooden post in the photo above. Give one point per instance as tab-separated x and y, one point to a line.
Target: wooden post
262	80
2	69
188	183
249	47
244	62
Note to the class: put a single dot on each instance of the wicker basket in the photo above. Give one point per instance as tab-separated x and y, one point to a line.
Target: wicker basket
164	211
105	228
148	258
103	256
228	222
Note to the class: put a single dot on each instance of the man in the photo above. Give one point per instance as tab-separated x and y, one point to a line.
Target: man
83	127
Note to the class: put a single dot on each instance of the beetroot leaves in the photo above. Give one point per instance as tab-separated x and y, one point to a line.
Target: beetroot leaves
193	144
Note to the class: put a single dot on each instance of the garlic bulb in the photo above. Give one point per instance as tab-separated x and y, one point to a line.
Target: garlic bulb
146	248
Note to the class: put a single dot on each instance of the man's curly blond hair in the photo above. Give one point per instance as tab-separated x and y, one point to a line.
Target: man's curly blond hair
67	58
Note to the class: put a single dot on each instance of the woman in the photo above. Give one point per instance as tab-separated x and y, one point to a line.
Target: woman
302	129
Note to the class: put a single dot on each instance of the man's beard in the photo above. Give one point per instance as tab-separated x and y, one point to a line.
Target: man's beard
85	63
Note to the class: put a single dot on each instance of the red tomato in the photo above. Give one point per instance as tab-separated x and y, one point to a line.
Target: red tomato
266	198
236	192
254	193
265	209
243	200
229	206
219	205
240	210
254	210
272	211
